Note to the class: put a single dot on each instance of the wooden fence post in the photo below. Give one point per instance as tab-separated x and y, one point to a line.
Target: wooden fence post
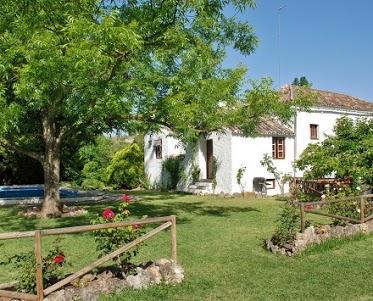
302	221
39	266
362	209
173	238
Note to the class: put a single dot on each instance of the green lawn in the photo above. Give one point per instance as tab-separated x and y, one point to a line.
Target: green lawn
220	247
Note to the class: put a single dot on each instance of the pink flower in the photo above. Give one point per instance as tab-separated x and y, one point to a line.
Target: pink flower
59	259
309	206
108	213
136	226
126	198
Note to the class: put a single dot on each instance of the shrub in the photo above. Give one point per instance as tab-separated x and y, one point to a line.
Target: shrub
92	184
95	158
287	226
109	240
172	166
25	265
126	169
347	208
195	171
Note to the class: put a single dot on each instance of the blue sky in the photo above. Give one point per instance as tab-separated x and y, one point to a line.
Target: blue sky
328	41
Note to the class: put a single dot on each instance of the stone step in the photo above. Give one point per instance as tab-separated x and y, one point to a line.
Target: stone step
203	184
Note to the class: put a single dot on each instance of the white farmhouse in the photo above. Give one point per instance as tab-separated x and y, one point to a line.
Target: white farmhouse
230	153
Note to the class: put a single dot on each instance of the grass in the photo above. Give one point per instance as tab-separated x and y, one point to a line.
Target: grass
220	247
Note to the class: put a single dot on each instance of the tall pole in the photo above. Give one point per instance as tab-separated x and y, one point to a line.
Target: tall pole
278	41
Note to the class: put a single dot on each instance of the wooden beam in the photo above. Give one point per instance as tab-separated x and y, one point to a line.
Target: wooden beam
333	216
368	218
362	209
81	229
39	266
106	258
173	239
302	218
18	295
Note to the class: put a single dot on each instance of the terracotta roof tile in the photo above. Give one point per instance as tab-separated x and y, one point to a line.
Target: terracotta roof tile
332	99
273	127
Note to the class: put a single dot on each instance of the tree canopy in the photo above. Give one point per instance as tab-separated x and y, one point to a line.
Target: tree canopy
302	81
346	154
72	69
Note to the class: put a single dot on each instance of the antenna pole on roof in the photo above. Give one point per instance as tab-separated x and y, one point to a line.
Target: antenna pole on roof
278	41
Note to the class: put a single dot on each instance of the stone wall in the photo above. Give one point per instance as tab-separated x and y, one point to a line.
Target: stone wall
316	235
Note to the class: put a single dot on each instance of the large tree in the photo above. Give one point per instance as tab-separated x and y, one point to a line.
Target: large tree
71	69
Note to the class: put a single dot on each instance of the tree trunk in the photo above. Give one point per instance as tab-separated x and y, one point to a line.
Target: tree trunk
51	166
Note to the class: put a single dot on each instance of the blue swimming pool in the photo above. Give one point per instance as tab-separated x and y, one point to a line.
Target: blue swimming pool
30	191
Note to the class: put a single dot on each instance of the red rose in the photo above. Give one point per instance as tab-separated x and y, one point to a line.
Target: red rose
126	198
59	259
108	213
309	206
136	226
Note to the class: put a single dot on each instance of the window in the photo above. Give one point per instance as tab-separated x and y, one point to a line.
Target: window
278	148
158	148
314	131
270	183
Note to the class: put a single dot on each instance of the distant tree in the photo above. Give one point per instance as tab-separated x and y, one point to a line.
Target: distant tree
302	81
347	153
296	82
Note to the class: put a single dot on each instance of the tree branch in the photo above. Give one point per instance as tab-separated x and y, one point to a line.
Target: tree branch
31	154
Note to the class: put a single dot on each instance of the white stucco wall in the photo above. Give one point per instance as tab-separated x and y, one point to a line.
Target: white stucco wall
170	147
248	152
326	119
222	151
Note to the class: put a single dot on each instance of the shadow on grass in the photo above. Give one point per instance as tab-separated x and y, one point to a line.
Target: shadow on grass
11	221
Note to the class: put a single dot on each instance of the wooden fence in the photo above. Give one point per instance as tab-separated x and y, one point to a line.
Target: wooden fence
313	207
167	221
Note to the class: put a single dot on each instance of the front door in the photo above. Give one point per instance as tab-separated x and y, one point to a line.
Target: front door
209	159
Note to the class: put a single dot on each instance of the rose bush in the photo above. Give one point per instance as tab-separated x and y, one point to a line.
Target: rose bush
109	240
25	265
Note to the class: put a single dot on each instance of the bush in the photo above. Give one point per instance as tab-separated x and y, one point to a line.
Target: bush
126	169
287	226
95	157
89	184
25	265
109	240
195	171
346	208
172	166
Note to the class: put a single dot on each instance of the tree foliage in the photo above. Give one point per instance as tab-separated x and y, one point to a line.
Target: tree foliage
72	69
302	82
126	169
346	154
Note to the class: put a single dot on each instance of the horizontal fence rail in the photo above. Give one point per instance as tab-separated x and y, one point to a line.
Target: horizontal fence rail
167	222
362	199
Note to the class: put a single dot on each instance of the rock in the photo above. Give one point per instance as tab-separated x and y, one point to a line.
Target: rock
351	230
154	274
269	244
172	273
139	281
87	294
61	295
162	261
91	286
